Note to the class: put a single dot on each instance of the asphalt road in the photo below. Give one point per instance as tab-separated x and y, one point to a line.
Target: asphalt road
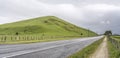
56	49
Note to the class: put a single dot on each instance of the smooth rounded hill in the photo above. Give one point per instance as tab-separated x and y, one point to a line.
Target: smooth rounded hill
47	25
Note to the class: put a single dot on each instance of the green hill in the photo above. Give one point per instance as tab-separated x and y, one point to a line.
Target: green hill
48	25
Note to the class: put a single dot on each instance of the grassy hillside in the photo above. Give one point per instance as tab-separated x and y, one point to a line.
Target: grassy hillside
48	25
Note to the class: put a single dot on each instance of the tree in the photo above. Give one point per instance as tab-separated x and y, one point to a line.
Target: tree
17	33
109	32
81	33
45	21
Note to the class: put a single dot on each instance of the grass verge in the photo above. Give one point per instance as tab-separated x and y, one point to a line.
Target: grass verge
113	52
116	38
87	51
36	41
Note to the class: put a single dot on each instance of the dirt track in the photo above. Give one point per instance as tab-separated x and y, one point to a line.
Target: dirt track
102	51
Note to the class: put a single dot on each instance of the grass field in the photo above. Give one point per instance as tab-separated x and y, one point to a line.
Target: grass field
114	47
8	39
116	37
113	52
49	27
87	51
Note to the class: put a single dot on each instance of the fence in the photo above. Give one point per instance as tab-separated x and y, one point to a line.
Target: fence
115	42
14	38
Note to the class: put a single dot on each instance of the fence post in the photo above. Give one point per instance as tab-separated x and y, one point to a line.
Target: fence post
5	38
119	44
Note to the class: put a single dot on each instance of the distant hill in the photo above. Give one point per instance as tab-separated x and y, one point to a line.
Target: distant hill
47	25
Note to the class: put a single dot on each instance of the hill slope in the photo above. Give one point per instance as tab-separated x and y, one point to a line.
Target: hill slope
48	25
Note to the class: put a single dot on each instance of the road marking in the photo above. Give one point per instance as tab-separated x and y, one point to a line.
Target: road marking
30	51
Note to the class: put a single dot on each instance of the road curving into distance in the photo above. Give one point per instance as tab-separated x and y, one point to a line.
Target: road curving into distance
55	49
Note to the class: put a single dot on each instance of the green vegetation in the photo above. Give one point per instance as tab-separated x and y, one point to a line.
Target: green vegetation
48	26
113	52
114	47
17	39
87	51
116	37
108	33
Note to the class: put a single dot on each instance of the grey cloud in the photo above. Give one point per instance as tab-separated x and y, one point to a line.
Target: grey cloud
77	2
97	15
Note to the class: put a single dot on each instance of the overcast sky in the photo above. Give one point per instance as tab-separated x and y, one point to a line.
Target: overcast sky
97	15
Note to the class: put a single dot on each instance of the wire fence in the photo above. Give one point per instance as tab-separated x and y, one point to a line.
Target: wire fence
14	38
115	42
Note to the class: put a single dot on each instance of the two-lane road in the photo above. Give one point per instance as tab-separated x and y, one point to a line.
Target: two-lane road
56	49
